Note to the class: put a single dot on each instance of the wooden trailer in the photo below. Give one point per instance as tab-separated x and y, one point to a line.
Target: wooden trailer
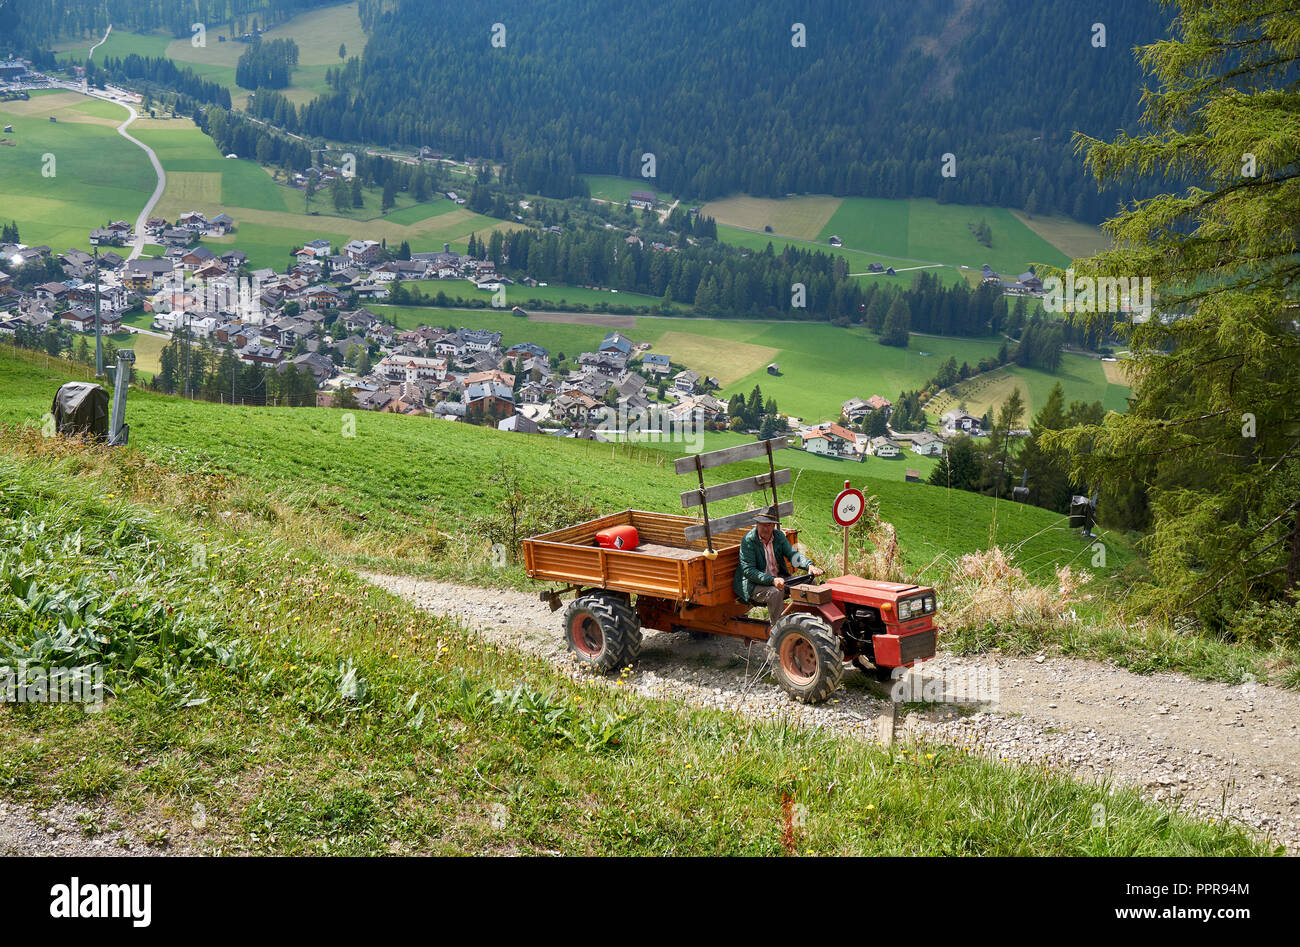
679	577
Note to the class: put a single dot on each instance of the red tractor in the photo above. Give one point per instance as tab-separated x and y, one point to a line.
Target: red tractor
674	573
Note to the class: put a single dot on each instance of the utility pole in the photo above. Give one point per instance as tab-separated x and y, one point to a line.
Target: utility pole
99	336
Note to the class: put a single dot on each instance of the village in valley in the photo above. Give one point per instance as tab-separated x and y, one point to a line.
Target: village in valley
308	322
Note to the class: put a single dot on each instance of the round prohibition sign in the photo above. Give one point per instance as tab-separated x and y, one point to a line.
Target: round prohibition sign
848	507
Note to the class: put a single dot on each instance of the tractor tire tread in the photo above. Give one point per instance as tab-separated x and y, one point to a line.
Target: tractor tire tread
830	657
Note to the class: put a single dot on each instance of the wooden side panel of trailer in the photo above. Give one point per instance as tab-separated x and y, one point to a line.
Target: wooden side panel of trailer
665	564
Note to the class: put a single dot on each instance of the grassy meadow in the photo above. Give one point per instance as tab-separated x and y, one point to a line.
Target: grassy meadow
318	34
902	233
256	678
399	476
92	175
610	187
302	711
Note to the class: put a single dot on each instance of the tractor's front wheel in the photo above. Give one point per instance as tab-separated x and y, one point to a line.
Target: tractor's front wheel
603	632
806	657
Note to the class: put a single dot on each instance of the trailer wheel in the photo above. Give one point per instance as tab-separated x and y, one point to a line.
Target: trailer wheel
806	657
603	632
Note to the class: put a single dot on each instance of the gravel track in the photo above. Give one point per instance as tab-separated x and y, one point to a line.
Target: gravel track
1211	749
72	829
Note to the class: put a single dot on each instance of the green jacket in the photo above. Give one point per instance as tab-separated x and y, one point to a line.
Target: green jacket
753	561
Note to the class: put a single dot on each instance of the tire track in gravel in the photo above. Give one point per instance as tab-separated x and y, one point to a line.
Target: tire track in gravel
1213	750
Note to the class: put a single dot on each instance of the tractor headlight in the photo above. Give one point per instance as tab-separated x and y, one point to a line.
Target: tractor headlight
929	603
904	611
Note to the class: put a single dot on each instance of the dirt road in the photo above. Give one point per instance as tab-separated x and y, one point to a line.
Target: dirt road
1212	749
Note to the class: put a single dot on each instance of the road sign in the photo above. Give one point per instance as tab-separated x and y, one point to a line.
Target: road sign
848	507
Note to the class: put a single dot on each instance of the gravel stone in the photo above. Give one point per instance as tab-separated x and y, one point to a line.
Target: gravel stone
1094	721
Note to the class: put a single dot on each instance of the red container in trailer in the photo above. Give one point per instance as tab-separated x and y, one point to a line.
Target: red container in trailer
618	537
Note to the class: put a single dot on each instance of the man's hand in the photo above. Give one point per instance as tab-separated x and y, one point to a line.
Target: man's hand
814	571
779	583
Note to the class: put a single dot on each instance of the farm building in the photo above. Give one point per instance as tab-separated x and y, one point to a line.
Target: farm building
644	199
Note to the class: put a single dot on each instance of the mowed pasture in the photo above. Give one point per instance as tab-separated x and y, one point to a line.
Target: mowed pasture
898	233
927	231
1076	240
318	34
92	174
610	187
727	360
1081	378
804	217
272	218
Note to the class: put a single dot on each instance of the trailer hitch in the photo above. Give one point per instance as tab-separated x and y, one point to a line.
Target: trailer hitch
552	598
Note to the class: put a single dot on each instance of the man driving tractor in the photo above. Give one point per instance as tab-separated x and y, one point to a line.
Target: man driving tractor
760	578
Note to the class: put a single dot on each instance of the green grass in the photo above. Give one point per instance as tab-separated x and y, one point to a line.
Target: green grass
858	260
318	34
259	681
98	175
609	187
420	212
901	233
537	297
304	712
120	44
301	453
1082	379
933	232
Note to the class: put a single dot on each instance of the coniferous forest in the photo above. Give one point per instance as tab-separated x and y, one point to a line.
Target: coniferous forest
726	101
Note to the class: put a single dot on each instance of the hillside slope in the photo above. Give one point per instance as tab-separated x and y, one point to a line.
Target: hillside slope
387	482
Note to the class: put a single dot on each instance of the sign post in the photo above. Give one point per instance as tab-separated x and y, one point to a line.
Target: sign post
847	510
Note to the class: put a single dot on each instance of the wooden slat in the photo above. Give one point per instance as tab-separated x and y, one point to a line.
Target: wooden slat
729	455
724	523
734	488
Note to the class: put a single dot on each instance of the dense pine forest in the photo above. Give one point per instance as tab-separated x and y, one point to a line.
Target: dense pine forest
726	101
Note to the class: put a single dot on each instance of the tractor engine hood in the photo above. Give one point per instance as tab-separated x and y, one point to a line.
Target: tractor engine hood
850	588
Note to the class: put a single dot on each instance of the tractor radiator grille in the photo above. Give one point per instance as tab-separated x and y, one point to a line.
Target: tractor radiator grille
919	645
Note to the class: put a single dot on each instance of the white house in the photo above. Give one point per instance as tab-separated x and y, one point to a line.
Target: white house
884	447
817	442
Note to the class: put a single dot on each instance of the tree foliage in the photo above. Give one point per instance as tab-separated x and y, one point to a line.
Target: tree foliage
1213	429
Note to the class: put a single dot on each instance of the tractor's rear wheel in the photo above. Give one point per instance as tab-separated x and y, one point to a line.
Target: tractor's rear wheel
806	657
603	632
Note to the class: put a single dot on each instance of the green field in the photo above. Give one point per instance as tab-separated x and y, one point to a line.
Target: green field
120	44
903	234
318	34
530	296
858	260
933	232
609	187
301	457
227	569
821	366
98	175
1082	378
271	218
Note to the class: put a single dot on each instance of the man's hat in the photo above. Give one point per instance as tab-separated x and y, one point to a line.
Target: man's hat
767	516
